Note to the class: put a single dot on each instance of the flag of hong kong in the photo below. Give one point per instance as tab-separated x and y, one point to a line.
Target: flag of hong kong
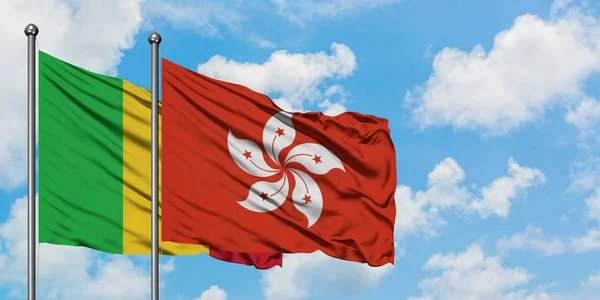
240	174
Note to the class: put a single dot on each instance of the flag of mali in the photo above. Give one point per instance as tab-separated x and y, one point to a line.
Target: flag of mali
95	166
94	161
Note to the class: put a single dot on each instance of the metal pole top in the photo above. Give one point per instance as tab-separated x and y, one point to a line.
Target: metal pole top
154	38
31	29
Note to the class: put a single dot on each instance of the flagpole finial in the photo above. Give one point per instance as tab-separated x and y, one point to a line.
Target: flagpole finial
31	29
154	38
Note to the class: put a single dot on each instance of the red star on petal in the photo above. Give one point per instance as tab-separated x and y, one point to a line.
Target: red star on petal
264	196
317	159
247	154
307	199
279	131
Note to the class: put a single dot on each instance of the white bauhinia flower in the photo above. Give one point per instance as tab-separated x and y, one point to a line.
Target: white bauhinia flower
265	196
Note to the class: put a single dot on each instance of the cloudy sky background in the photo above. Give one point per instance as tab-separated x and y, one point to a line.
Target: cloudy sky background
494	112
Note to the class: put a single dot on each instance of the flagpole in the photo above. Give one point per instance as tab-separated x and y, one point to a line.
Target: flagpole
154	39
31	32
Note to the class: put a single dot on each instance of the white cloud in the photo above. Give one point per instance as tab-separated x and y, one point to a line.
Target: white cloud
427	53
472	275
532	66
559	6
524	295
294	78
301	11
286	105
66	272
414	214
214	18
306	274
586	116
261	42
117	278
204	16
532	239
593	282
213	293
496	197
585	175
332	109
168	266
419	211
76	31
593	205
589	242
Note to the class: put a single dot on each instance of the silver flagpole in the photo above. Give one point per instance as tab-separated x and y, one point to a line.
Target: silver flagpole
31	32
154	41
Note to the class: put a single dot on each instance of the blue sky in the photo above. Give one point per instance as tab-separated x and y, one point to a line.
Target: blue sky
493	111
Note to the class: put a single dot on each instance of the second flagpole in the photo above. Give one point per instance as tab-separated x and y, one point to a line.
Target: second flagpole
31	31
154	39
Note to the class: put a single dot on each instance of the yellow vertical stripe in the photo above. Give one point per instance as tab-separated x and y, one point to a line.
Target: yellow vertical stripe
136	177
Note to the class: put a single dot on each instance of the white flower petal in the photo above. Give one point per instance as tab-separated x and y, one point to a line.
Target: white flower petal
248	156
266	196
307	196
279	133
314	157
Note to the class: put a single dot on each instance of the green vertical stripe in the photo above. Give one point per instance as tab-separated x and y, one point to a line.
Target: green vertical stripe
80	157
